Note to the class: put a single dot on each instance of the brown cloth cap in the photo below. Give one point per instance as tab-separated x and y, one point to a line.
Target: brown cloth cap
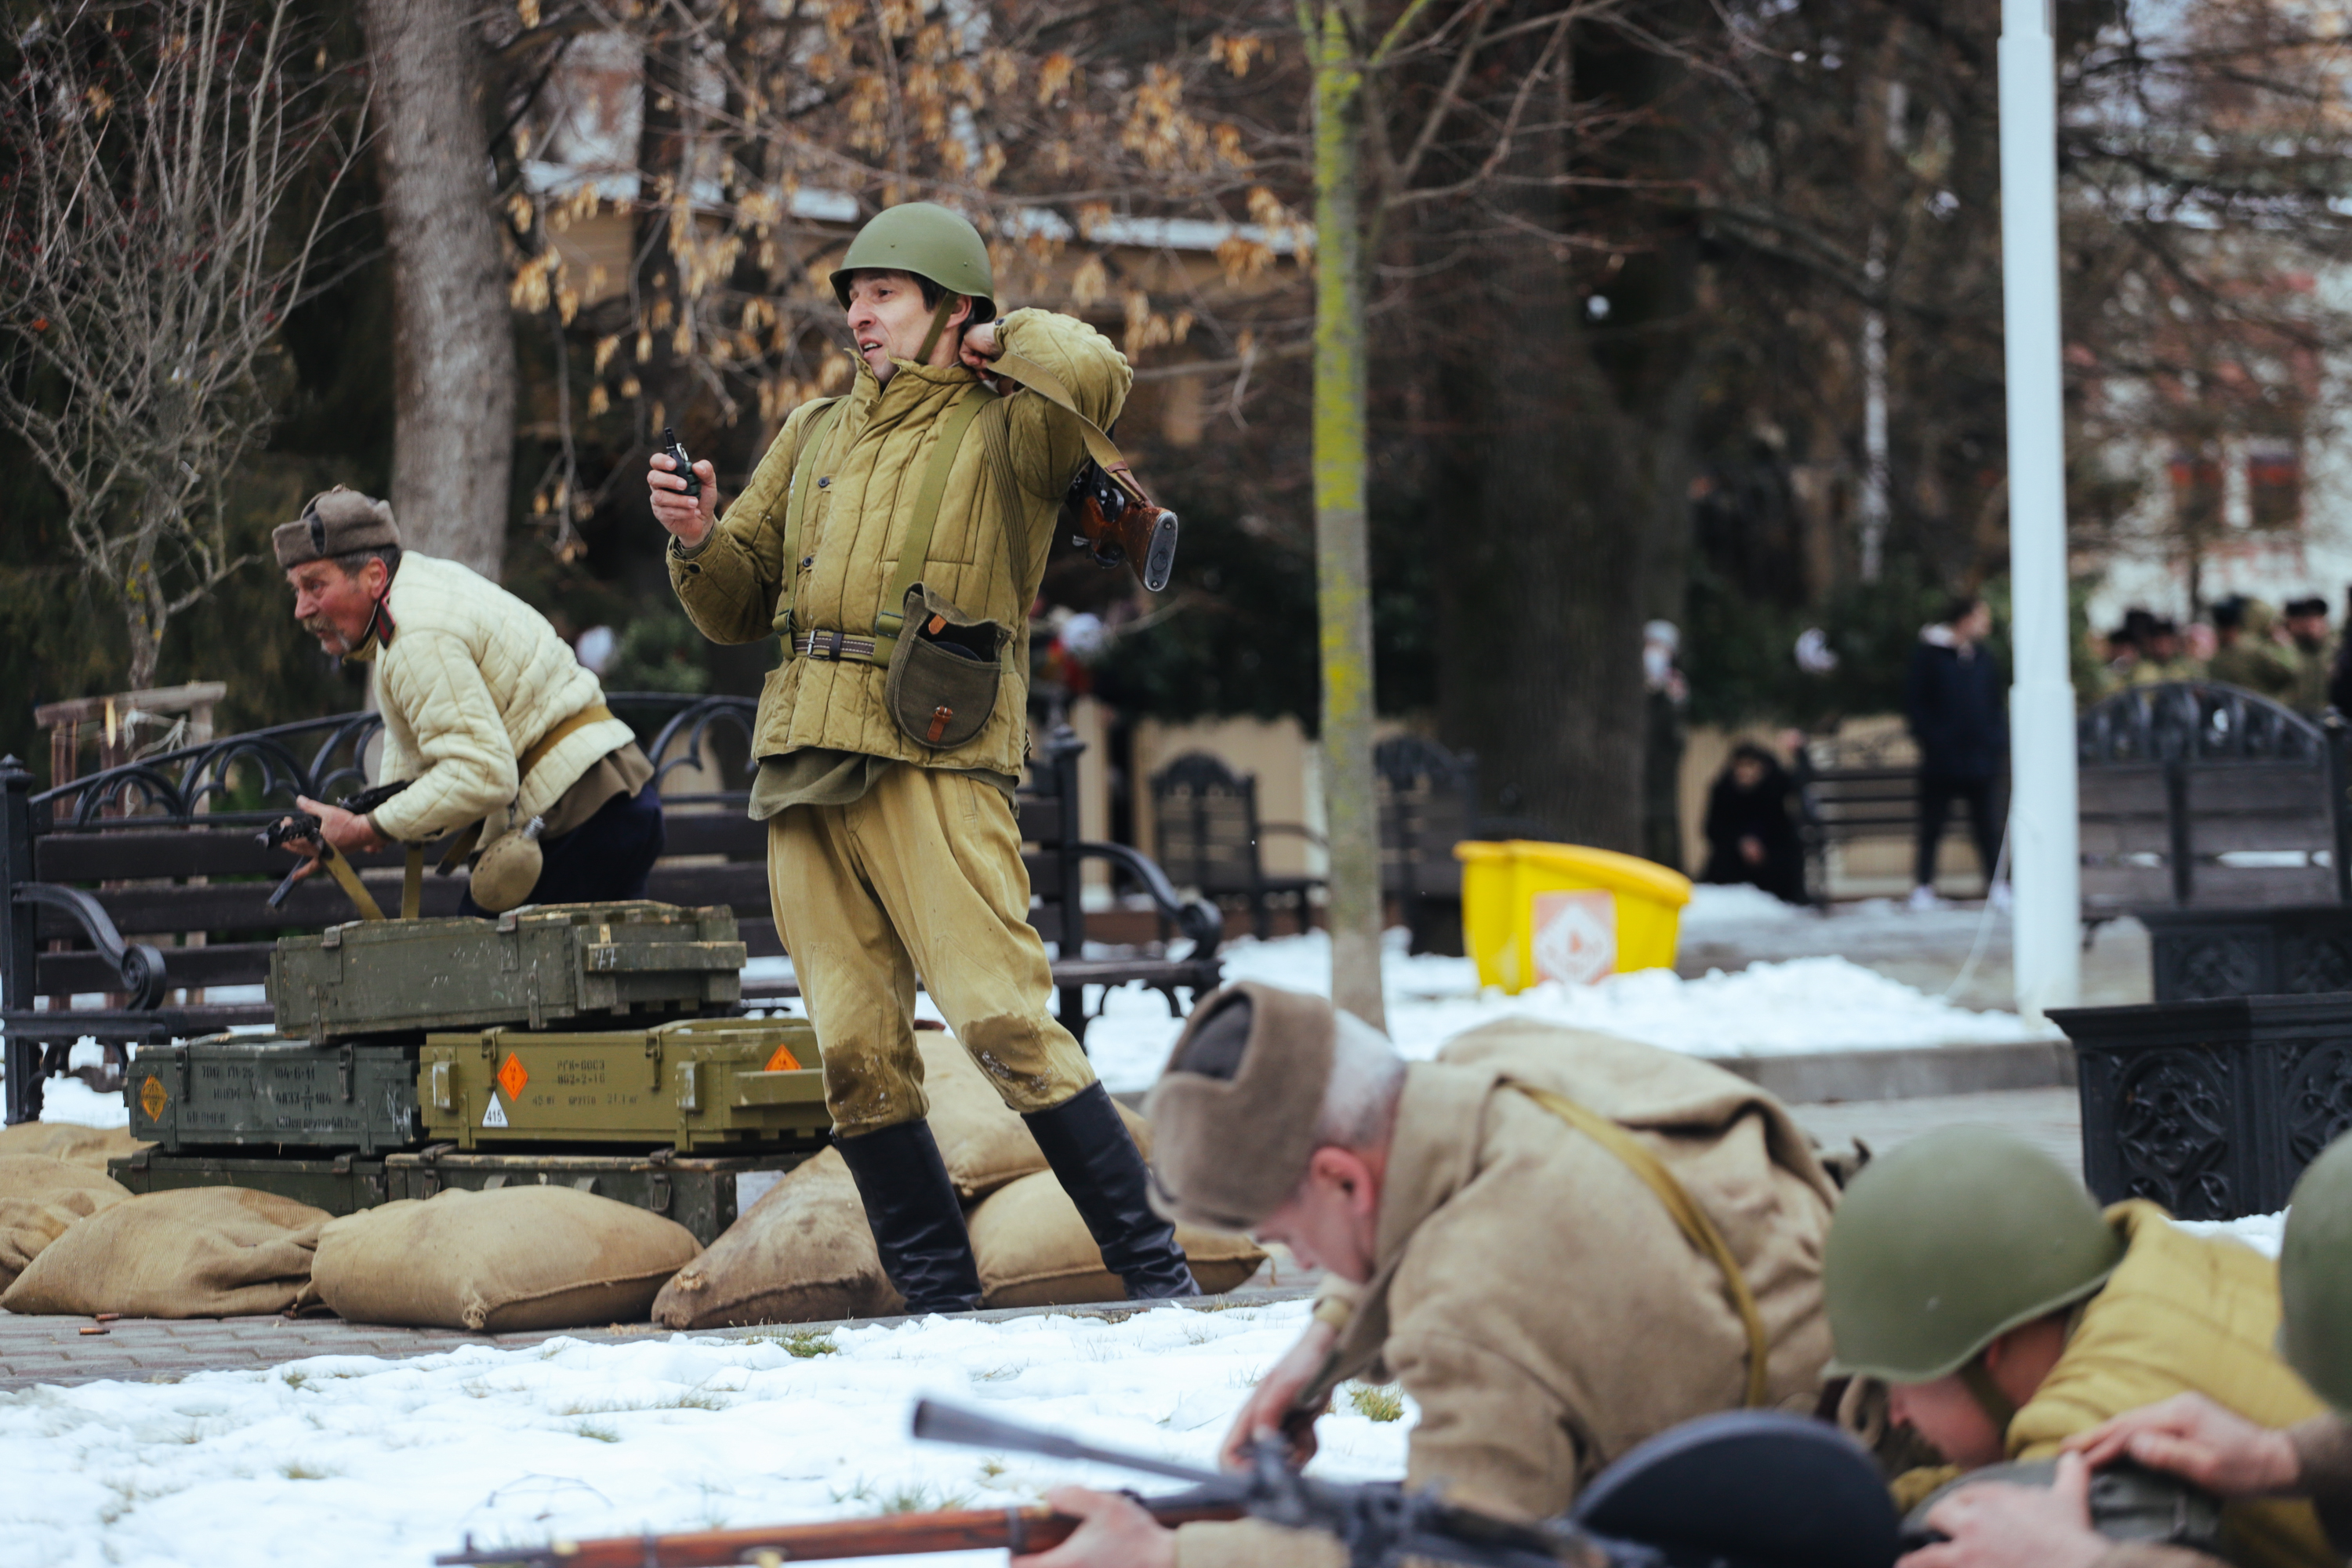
1233	1116
335	522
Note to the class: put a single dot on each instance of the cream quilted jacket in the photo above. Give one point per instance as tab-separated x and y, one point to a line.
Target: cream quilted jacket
471	677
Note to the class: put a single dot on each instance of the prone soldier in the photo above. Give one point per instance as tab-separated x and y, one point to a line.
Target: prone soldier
2006	1315
895	538
501	734
1560	1242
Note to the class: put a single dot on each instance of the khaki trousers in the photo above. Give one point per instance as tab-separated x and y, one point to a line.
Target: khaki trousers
921	877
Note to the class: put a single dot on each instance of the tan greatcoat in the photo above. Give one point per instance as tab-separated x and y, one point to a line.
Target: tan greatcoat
1533	1296
996	525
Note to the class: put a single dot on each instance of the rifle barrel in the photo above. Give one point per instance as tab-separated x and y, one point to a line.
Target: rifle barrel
1021	1530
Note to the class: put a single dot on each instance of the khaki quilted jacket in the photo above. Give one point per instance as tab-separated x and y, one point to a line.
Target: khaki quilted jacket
471	678
996	525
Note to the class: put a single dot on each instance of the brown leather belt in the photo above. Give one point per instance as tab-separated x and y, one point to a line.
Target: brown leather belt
834	645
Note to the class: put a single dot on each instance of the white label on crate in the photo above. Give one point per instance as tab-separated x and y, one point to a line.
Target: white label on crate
1576	936
496	1116
753	1185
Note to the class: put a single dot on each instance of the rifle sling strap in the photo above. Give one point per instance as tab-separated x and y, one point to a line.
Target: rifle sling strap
339	867
1028	372
1691	1219
411	884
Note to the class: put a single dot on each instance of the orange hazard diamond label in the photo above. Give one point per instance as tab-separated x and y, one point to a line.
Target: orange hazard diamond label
153	1098
511	1076
782	1061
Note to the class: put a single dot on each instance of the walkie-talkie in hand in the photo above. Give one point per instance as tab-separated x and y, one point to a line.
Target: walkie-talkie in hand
680	463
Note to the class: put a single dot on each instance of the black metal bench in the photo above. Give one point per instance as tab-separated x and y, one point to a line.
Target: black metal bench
1869	796
1207	836
146	880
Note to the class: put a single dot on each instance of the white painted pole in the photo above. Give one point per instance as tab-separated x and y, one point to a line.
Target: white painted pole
2044	854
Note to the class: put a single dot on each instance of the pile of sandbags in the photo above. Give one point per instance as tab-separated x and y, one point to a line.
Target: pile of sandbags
495	1262
803	1253
77	1145
40	1198
201	1252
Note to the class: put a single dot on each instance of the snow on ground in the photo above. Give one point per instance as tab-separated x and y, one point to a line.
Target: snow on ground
1767	1009
360	1462
2259	1231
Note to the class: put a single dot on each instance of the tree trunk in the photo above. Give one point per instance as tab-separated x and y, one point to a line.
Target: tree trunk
1343	573
453	342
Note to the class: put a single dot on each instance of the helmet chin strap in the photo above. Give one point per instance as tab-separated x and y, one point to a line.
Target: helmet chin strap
938	325
1998	1408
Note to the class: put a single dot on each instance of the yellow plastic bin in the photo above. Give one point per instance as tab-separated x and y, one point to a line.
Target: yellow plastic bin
1534	911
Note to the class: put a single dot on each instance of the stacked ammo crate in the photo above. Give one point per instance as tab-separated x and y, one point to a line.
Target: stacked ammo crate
592	1045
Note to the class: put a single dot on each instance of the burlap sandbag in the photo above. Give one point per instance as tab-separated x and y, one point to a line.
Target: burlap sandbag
39	1198
985	1143
515	1258
90	1146
1033	1251
202	1252
802	1254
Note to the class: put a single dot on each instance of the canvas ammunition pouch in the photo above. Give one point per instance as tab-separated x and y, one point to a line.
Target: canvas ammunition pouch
946	672
2128	1502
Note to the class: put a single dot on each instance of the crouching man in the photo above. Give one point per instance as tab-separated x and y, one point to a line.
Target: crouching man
1560	1242
502	735
2007	1314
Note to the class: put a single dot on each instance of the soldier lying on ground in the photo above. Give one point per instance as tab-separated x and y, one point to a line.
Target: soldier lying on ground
1496	1228
896	536
2212	1447
486	710
2007	1315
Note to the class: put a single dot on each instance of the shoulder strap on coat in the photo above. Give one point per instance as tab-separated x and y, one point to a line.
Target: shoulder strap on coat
820	428
915	551
1689	1217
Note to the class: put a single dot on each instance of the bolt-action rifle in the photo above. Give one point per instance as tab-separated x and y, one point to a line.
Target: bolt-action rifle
1746	1490
301	828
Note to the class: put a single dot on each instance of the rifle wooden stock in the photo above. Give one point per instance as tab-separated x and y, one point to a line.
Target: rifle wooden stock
1018	1530
1117	522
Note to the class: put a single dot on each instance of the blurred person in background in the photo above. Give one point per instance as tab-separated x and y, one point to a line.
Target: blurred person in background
1955	704
1665	736
2315	654
2162	655
2249	656
1751	828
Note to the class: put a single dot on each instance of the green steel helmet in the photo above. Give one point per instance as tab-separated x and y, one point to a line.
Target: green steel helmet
929	241
1950	1241
2315	1277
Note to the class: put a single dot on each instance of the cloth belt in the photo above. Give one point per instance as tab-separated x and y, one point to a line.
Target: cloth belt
1691	1219
834	645
533	754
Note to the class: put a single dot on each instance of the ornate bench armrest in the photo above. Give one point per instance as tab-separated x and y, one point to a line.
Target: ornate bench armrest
1196	918
141	966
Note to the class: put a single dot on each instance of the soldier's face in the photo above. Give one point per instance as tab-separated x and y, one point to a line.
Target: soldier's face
335	605
887	321
1332	1222
1945	1414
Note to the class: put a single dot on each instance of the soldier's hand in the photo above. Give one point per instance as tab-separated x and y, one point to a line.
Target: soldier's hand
346	831
1269	1406
1995	1525
978	347
1117	1533
2191	1437
690	518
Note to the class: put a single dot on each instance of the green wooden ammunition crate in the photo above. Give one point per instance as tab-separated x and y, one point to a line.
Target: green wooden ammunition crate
698	1083
237	1091
703	1194
532	966
339	1185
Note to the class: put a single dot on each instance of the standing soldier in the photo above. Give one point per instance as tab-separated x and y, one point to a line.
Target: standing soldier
2315	653
894	538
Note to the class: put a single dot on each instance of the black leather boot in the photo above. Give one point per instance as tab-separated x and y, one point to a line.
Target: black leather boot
1101	1169
918	1225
